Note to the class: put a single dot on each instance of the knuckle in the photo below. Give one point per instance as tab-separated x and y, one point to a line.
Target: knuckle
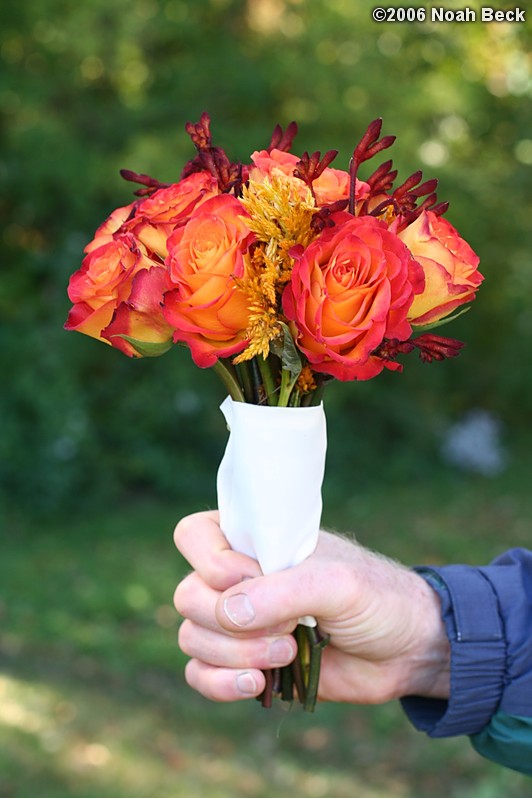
182	530
191	674
182	594
205	680
186	528
185	637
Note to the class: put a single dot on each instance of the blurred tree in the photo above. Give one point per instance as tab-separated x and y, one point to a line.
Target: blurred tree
86	89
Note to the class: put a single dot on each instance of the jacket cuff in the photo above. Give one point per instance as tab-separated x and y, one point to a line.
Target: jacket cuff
472	619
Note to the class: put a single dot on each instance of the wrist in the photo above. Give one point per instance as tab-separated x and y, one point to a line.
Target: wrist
427	664
478	652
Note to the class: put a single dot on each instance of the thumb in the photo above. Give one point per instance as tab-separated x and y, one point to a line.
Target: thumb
267	602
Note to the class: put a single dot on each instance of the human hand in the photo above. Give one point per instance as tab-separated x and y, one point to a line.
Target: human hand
387	639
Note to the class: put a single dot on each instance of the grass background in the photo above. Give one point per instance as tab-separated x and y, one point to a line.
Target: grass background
93	702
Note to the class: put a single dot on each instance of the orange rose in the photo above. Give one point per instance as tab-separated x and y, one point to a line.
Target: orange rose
168	205
103	281
450	265
331	185
112	225
351	287
157	216
207	309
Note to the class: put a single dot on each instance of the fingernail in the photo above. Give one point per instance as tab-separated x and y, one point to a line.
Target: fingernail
280	652
239	609
246	683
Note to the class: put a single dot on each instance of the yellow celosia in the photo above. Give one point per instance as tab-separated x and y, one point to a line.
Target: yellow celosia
281	212
306	382
281	209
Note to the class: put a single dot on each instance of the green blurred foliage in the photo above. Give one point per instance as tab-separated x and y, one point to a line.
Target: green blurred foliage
89	88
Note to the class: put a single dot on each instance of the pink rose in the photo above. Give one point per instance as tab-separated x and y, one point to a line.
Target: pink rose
331	185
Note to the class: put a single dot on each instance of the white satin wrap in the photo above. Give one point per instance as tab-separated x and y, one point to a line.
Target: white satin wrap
269	481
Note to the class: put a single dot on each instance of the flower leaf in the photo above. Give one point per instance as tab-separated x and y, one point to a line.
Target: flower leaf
433	325
148	348
286	350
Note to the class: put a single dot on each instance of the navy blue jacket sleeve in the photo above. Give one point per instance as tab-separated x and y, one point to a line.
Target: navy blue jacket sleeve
488	616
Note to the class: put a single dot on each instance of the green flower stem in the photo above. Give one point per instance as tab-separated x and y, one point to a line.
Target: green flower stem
288	380
295	399
244	375
227	374
316	644
287	683
317	395
267	380
259	393
313	398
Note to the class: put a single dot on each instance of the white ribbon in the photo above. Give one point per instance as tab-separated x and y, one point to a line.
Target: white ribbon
269	482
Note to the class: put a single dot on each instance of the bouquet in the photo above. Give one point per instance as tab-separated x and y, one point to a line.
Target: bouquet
280	274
